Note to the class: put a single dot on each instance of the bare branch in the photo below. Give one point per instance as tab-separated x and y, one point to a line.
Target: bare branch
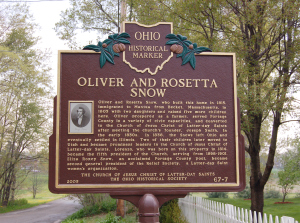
289	121
106	14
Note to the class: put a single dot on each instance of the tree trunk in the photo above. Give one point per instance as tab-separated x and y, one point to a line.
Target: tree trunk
283	198
284	192
257	199
6	194
7	188
13	188
33	193
257	188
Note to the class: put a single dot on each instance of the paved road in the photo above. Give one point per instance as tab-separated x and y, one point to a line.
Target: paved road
52	212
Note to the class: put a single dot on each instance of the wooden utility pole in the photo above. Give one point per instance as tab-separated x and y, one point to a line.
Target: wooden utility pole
120	208
120	202
122	14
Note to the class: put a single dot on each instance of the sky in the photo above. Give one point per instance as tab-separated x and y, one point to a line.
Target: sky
46	13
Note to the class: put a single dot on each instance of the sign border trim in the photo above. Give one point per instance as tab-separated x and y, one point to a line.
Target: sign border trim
163	185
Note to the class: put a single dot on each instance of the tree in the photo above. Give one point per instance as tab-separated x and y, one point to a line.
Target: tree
265	36
24	90
87	15
289	175
35	179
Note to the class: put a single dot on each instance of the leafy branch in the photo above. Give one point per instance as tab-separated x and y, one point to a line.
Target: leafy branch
110	47
185	48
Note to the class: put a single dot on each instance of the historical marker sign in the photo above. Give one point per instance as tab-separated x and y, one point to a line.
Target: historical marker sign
148	120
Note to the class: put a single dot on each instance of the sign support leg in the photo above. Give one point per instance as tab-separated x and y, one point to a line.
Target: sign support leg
148	209
148	204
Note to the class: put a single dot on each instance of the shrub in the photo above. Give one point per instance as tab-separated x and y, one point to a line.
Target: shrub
109	204
130	208
217	194
272	194
18	202
110	218
90	199
92	204
84	212
104	201
246	193
171	213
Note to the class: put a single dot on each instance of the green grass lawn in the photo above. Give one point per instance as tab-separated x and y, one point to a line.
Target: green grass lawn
291	210
43	195
41	198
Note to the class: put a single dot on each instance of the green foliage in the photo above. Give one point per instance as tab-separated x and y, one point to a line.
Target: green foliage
171	213
87	15
107	52
246	193
23	192
93	204
108	205
6	209
188	54
130	208
190	18
104	201
25	94
290	173
84	212
217	194
272	194
18	202
110	218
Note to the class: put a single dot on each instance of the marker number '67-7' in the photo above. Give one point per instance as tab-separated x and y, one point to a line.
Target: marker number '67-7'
220	179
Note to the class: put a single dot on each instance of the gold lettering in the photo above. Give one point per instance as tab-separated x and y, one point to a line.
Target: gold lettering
80	83
90	85
146	35
205	81
213	83
156	36
136	35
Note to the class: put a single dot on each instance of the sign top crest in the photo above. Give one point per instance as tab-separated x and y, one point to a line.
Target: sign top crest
150	47
148	50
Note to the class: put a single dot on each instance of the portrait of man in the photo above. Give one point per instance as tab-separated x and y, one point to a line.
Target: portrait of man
81	120
81	117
